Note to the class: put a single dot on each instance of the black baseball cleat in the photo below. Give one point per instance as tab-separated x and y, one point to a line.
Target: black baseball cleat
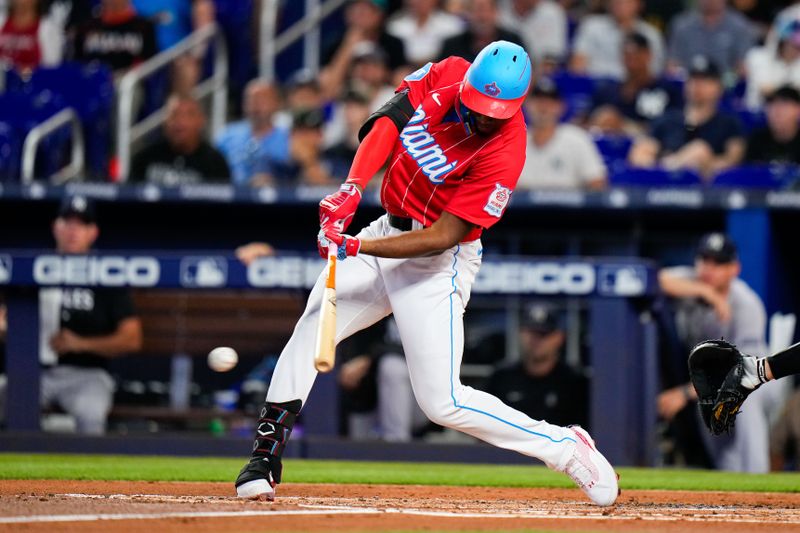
255	481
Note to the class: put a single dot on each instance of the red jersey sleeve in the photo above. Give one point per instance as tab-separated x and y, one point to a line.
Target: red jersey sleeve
432	75
485	191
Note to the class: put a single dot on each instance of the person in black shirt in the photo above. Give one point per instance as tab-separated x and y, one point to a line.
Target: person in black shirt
542	385
779	141
628	106
118	37
81	329
701	137
184	157
483	29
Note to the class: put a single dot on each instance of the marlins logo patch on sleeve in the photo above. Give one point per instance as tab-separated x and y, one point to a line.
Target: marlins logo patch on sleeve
498	200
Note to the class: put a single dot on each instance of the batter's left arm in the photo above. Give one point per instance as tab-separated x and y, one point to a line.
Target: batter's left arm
445	233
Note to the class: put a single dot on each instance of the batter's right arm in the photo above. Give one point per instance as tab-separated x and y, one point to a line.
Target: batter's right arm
336	210
445	233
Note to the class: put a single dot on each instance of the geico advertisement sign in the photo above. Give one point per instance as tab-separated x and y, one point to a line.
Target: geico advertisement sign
536	278
107	271
287	272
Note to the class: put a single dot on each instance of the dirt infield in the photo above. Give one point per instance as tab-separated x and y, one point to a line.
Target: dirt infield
116	507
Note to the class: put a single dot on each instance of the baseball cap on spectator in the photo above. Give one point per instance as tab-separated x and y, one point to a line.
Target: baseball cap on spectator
380	4
355	95
546	88
790	32
308	119
540	318
703	67
302	78
717	247
79	207
369	52
638	39
785	93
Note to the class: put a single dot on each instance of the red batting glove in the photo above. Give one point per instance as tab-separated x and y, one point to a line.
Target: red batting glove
336	210
348	246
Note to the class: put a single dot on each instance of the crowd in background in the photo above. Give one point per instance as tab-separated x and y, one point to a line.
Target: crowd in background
706	86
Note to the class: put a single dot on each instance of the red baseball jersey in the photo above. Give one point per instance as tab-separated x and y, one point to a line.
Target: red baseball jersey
435	166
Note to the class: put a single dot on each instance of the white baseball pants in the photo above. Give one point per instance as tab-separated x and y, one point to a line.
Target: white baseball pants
428	296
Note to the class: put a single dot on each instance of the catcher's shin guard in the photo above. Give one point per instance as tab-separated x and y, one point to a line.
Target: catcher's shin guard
259	476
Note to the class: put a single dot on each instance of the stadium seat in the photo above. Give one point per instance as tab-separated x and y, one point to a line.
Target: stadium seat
89	89
655	177
20	112
752	120
9	153
614	149
576	91
757	176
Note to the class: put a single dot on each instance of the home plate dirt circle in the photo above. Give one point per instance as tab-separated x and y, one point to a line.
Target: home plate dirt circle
118	506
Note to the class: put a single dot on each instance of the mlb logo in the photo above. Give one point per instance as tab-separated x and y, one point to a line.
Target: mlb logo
624	280
204	272
5	269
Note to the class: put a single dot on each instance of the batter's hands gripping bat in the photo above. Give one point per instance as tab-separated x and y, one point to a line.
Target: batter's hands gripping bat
325	350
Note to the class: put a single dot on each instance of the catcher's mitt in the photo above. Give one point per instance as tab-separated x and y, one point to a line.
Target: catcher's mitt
716	368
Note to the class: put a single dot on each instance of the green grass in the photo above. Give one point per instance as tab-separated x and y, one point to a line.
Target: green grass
144	468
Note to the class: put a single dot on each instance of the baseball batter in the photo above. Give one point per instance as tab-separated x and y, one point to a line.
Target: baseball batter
454	139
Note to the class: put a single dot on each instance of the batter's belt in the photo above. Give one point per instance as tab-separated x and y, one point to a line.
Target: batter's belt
401	223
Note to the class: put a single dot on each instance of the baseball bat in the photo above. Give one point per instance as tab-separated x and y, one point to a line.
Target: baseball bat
325	350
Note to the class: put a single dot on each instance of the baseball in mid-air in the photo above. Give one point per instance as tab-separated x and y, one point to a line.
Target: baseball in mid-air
222	359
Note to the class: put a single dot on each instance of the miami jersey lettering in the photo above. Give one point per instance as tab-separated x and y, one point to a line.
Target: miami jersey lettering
437	166
422	147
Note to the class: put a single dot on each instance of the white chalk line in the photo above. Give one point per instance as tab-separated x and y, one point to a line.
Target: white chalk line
704	513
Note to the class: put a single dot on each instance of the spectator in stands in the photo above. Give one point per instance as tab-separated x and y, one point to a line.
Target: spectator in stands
252	145
369	74
713	31
542	25
541	384
82	329
482	29
174	19
597	50
775	64
183	157
630	105
355	106
306	164
364	22
559	155
779	142
423	27
712	302
119	37
303	91
760	15
29	37
702	137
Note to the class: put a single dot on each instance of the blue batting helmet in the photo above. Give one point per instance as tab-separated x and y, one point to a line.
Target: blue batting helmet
497	82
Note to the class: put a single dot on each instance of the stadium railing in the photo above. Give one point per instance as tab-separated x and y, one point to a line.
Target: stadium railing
216	86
